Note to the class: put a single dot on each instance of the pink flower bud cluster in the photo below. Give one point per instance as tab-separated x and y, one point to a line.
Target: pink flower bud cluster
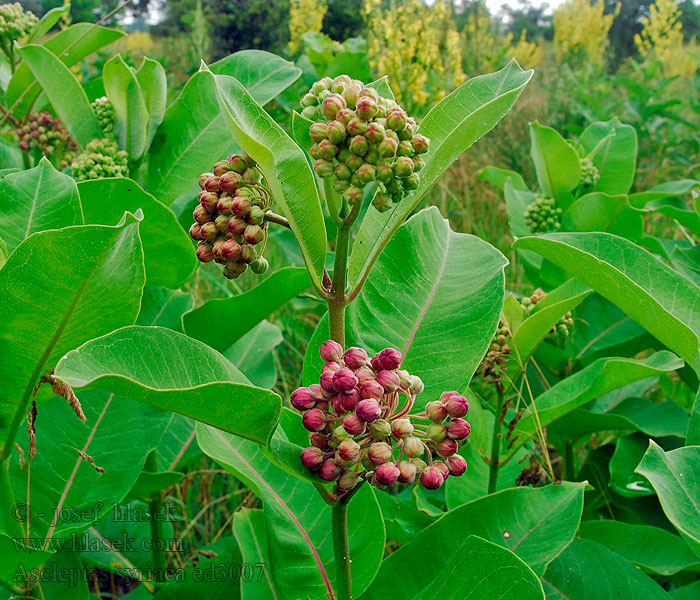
361	427
43	133
230	216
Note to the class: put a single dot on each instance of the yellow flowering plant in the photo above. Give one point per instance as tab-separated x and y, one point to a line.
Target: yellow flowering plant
304	16
581	31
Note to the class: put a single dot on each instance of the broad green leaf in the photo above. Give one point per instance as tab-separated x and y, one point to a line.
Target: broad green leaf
556	162
693	434
263	74
38	199
153	482
612	146
131	118
222	321
194	135
163	307
535	523
623	480
3	253
473	568
286	169
401	516
252	354
63	484
70	46
47	22
298	521
517	201
178	445
675	476
249	529
383	88
154	87
656	419
653	549
452	125
686	592
168	252
664	191
601	212
589	571
434	310
169	370
15	553
653	294
64	92
596	379
498	177
93	286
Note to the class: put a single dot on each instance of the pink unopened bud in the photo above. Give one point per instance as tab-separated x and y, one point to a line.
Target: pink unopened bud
431	478
337	404
314	420
389	359
447	447
205	253
208	200
355	358
349	451
230	250
386	474
230	181
332	104
371	389
203	179
379	453
332	366
331	351
417	385
312	458
303	399
436	411
368	410
407	472
351	400
457	465
457	406
354	425
458	429
388	380
442	467
196	231
404	379
348	480
330	470
364	374
327	382
212	184
344	380
319	440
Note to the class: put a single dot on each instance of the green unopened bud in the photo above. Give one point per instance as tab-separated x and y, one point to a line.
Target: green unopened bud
401	428
403	166
380	429
340	185
256	215
345	115
323	168
411	182
418	162
366	173
237	162
357	126
437	432
336	132
331	105
351	94
396	119
421	144
384	172
327	150
413	447
253	234
359	145
309	100
348	480
311	113
354	162
342	172
370	93
259	265
382	202
353	195
387	147
405	149
318	131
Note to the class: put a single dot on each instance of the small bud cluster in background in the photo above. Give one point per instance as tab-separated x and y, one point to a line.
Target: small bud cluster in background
104	111
543	215
360	138
361	426
497	355
101	159
589	173
15	23
562	327
230	216
44	133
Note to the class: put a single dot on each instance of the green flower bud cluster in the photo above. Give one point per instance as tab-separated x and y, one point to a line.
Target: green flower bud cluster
101	159
589	174
15	23
563	326
230	217
104	111
497	355
44	133
543	215
361	138
361	427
